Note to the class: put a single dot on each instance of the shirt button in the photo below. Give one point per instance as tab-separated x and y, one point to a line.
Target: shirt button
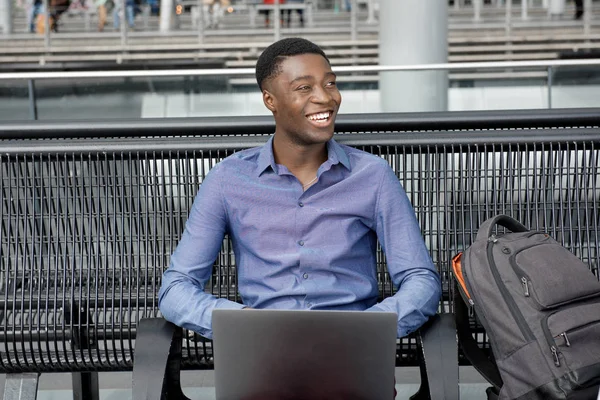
301	204
301	242
305	276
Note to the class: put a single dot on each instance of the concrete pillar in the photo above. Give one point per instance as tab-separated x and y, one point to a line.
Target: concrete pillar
508	18
556	7
6	17
166	15
413	32
477	10
524	6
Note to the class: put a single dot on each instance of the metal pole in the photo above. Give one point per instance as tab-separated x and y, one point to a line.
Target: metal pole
524	5
549	87
85	386
47	25
353	24
587	16
166	13
508	21
477	10
277	20
200	22
6	16
371	20
32	100
123	26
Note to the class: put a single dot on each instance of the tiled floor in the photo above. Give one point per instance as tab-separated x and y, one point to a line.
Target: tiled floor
199	385
467	392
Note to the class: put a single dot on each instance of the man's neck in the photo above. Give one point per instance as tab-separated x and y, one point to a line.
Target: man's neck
302	161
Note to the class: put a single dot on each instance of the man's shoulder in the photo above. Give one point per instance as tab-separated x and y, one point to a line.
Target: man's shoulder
364	159
245	159
243	162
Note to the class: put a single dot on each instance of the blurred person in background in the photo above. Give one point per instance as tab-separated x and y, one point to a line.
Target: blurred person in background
578	9
102	12
57	8
213	11
35	8
300	14
129	13
267	13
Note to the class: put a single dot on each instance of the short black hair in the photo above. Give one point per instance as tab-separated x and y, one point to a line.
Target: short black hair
268	64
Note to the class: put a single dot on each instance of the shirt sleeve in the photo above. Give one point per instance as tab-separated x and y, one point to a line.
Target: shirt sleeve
181	298
408	260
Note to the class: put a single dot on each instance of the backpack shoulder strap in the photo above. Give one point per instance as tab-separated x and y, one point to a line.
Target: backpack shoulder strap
468	344
486	228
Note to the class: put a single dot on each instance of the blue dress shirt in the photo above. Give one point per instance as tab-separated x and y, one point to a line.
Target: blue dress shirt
295	249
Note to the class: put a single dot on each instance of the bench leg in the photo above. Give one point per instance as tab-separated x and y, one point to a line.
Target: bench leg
423	393
85	386
438	361
157	361
21	386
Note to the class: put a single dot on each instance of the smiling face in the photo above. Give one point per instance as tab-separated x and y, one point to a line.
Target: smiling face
304	99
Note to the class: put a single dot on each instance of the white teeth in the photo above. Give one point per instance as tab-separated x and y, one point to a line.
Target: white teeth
319	116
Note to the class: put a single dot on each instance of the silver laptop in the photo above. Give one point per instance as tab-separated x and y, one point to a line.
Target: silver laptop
308	355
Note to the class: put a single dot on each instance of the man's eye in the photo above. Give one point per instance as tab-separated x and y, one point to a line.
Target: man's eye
332	83
305	87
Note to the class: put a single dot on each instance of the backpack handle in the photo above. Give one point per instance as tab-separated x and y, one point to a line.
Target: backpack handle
485	230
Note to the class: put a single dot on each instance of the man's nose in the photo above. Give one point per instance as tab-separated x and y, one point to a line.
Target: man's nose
321	95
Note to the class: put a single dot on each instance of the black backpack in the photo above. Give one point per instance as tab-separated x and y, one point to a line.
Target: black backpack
540	307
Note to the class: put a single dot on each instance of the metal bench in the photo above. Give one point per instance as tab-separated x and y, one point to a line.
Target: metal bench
90	213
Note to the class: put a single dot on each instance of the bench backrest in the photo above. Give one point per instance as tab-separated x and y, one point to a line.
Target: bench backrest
87	225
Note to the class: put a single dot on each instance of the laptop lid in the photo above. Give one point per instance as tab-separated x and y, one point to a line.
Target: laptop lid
293	354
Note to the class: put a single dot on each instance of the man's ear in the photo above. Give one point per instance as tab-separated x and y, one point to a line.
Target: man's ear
269	101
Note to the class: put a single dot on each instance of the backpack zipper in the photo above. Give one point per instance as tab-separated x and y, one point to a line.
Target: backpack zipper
550	339
467	299
510	302
527	283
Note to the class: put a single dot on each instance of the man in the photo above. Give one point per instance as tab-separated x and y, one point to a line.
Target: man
578	9
102	14
35	10
300	11
267	12
214	9
304	214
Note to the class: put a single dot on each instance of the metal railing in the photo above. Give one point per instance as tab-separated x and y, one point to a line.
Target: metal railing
549	66
477	12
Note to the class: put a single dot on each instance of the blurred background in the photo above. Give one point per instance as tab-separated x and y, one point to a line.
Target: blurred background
113	59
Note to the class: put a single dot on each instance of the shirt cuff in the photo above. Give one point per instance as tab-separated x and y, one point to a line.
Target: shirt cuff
225	304
379	307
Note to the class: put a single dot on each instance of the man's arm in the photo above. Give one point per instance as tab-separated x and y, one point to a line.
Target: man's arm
182	299
408	260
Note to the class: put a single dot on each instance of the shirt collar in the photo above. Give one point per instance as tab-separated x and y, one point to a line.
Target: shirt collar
335	154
